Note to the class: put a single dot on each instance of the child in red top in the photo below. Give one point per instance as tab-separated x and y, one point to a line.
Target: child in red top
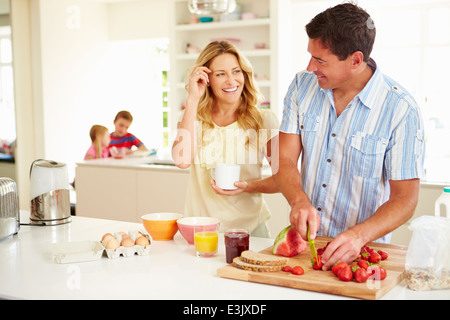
121	138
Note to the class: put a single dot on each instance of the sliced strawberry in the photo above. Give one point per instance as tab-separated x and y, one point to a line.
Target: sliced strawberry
317	263
287	269
297	270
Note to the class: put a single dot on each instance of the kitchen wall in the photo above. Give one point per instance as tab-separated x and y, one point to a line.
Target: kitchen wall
70	72
81	78
73	39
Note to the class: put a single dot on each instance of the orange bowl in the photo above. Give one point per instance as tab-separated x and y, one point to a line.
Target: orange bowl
161	226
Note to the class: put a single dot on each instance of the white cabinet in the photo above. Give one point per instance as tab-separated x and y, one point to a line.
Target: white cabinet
106	193
260	40
128	192
161	190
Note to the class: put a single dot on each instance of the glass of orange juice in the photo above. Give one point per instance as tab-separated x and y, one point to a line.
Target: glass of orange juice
206	241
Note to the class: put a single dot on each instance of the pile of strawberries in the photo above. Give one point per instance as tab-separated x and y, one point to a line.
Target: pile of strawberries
364	268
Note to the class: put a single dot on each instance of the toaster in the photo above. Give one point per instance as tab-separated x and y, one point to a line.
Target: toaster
9	208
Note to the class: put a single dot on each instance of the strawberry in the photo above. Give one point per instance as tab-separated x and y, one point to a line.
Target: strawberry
365	256
374	257
287	269
345	273
384	255
364	249
383	273
377	273
338	266
360	274
363	264
317	264
320	251
297	270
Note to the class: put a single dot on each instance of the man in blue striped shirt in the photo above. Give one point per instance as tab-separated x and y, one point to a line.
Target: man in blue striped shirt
360	138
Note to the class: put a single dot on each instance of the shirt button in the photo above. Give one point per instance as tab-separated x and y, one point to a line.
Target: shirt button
324	185
333	135
319	209
301	127
328	160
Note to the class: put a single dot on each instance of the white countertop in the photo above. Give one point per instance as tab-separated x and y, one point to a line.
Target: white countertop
170	271
131	162
145	163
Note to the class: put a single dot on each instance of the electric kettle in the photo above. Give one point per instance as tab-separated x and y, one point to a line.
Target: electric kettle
49	193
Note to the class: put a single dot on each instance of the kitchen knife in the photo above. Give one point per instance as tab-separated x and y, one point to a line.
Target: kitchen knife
312	246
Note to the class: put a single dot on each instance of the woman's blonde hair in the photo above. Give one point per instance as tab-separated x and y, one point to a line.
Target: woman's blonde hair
95	133
248	114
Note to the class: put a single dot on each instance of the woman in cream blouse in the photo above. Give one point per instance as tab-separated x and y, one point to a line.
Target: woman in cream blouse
223	124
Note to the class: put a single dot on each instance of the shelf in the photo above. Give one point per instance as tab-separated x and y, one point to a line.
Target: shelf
251	33
261	84
247	53
223	24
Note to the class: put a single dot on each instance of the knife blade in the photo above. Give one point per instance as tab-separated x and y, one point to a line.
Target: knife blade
312	245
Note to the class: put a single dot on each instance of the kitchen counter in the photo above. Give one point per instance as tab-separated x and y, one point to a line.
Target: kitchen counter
131	162
145	163
170	271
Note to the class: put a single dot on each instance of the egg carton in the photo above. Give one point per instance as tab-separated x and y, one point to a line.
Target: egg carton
128	251
78	251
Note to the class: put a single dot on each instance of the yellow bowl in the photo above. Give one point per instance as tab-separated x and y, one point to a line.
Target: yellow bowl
161	226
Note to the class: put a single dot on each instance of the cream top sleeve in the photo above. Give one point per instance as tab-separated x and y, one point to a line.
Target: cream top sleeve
270	123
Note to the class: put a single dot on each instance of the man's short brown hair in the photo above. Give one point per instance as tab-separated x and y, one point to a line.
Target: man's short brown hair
344	29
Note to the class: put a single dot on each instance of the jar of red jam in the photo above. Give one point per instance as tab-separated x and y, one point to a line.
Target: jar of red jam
236	241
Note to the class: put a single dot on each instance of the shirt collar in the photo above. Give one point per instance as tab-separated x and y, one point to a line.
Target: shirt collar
373	90
370	94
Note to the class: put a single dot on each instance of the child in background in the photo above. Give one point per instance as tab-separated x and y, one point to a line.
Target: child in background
100	141
121	138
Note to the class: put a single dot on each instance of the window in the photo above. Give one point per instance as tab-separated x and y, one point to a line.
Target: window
165	106
137	78
412	46
7	114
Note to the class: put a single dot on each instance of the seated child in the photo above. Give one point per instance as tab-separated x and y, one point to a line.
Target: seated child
100	141
121	138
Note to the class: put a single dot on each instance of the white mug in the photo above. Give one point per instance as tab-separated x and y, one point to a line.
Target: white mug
226	175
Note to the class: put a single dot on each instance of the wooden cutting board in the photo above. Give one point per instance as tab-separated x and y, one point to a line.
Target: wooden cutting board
326	281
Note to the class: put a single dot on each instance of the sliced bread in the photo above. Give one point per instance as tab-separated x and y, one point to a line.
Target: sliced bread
240	264
257	258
